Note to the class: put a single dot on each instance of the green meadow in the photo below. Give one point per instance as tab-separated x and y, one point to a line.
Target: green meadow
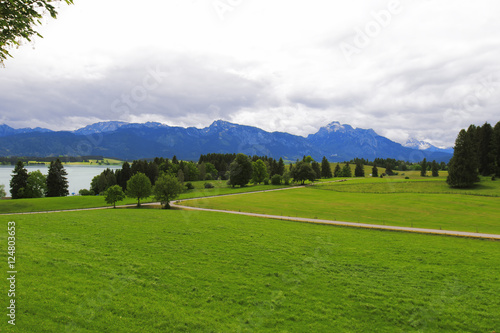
78	202
152	270
422	203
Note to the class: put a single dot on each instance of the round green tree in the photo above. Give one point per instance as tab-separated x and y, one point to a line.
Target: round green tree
114	194
166	189
139	187
240	170
259	172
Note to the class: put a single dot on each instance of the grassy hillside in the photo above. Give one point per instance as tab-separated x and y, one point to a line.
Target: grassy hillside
130	270
425	203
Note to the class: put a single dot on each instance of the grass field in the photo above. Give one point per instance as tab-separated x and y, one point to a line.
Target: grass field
130	270
380	201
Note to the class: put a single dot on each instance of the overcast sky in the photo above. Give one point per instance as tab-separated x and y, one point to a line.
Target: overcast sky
422	69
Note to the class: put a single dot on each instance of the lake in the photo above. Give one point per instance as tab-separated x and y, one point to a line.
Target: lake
79	176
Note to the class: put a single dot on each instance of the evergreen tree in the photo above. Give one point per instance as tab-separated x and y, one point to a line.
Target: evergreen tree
485	152
18	181
125	175
374	171
2	191
281	167
57	182
337	172
462	169
359	171
496	148
346	171
423	171
326	170
435	169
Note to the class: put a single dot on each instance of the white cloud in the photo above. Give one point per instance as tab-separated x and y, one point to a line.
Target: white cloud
431	70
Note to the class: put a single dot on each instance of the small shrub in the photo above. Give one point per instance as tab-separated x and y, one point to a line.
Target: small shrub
189	186
208	176
209	185
493	178
382	176
266	181
276	180
407	177
85	192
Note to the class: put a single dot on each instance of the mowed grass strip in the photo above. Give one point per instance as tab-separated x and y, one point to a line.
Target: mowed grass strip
131	270
434	211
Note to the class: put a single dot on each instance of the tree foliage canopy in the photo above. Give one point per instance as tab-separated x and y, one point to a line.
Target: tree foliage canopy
139	187
114	194
166	189
240	170
18	19
259	171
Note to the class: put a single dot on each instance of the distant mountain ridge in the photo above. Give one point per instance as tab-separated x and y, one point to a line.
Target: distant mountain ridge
424	145
338	142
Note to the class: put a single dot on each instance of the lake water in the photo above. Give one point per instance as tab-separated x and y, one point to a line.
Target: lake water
79	176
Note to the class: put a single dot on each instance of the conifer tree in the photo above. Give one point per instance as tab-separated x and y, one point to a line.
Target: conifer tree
462	169
337	172
435	169
374	171
423	171
18	181
57	182
485	153
326	170
359	171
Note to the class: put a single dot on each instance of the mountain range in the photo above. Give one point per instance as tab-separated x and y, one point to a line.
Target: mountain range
128	141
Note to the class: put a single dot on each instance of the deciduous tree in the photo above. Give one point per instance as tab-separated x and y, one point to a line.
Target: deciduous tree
139	187
18	19
114	194
166	189
303	171
36	186
259	171
240	170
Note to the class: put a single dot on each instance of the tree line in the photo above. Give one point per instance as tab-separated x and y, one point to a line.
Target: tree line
24	184
12	160
477	153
